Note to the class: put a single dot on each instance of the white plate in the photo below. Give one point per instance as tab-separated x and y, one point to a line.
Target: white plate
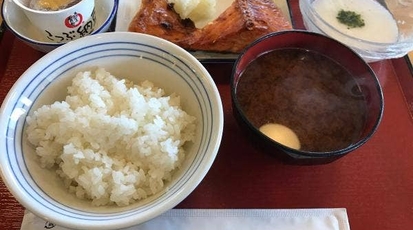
128	9
411	57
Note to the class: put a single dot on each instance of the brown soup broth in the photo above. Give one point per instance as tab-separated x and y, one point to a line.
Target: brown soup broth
308	92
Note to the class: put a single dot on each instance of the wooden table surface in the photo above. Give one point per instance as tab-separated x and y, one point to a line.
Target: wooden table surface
374	183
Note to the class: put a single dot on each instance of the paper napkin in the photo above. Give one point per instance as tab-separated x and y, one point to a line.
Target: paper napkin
228	219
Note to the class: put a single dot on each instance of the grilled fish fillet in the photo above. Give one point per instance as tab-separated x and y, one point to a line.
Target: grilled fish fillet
239	25
158	18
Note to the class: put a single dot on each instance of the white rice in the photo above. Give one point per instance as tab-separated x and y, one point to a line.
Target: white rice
112	141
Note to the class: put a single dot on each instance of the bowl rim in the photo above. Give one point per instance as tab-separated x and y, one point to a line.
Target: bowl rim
310	9
291	151
33	41
21	5
183	191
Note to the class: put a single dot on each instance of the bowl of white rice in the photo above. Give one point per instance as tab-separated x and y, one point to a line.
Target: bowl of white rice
109	131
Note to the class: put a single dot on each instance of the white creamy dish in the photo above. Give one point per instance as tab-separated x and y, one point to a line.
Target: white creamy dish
379	24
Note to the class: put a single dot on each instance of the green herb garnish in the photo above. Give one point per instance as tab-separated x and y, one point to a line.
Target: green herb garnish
350	19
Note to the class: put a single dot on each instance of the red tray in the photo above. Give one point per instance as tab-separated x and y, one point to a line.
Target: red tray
374	183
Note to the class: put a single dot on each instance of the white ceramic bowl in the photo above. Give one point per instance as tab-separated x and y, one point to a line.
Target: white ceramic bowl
130	55
17	22
371	51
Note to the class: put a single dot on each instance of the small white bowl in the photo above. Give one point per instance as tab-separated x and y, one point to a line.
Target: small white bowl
127	55
17	22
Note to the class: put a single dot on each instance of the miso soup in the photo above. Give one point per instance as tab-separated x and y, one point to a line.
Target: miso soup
309	93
